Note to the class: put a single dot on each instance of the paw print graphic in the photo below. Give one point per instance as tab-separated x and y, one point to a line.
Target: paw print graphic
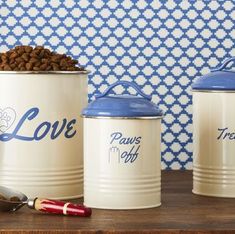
4	119
7	117
114	155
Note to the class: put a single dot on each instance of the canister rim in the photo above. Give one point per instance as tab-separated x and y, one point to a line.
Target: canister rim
46	72
213	90
122	117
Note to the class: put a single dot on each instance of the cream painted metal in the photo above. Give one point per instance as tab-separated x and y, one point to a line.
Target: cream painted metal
214	143
109	181
41	132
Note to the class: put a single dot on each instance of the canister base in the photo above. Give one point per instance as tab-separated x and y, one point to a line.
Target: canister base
45	183
123	208
67	197
213	194
214	181
52	193
210	195
122	200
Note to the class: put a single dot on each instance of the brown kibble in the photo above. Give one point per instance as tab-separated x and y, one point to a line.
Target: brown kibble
55	67
27	58
7	68
4	58
36	68
22	64
20	51
56	58
44	60
19	60
37	64
63	63
47	53
43	67
34	54
15	198
49	68
11	61
28	49
39	48
13	66
33	60
74	61
13	55
41	54
18	47
71	69
29	66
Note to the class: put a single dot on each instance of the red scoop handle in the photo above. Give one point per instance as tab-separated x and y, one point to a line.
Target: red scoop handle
59	207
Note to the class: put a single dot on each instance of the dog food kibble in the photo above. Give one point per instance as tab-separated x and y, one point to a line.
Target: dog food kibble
27	58
14	198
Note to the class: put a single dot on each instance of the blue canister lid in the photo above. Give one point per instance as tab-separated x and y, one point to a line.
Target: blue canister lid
218	79
122	105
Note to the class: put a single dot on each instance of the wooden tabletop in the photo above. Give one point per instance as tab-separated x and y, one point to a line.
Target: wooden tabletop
181	212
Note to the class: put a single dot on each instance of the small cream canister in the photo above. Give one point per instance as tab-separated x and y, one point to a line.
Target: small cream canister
122	156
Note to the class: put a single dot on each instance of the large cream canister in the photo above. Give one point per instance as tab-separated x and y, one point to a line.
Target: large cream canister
122	163
41	132
214	133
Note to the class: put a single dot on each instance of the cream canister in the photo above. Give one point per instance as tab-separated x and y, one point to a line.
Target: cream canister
122	156
214	133
41	132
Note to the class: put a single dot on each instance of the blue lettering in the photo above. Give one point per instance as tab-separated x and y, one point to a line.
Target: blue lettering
123	140
225	134
127	141
67	134
54	135
115	136
130	156
137	141
38	137
30	114
42	130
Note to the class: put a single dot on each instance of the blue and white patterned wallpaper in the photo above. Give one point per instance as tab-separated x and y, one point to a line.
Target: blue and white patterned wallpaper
161	45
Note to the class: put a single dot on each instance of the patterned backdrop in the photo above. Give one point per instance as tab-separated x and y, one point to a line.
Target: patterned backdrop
160	45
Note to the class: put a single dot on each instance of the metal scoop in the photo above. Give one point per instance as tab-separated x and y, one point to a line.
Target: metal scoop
11	200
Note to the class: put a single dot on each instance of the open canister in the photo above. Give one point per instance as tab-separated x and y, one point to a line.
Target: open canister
122	163
41	140
214	133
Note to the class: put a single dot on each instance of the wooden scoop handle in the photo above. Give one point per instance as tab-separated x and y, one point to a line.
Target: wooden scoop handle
59	207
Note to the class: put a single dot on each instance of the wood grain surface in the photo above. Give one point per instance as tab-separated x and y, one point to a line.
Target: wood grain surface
181	212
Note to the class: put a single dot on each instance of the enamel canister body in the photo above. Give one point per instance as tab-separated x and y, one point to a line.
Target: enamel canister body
41	140
122	159
214	134
122	164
